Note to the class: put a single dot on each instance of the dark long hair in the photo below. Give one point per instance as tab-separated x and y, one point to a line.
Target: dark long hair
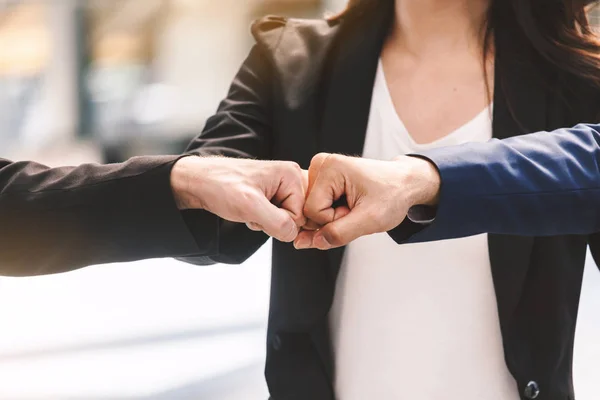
557	30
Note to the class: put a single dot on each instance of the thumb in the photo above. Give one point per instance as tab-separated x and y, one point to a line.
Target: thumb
275	222
344	229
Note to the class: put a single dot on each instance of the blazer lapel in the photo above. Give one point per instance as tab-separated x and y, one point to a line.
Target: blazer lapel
520	106
347	100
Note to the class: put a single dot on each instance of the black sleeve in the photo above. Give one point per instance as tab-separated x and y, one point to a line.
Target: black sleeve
240	128
59	219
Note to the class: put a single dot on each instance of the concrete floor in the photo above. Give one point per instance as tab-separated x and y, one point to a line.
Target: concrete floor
160	329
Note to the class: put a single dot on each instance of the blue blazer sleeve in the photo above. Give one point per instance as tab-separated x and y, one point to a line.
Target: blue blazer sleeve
541	184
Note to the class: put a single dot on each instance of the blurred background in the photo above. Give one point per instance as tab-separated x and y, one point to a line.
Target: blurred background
103	80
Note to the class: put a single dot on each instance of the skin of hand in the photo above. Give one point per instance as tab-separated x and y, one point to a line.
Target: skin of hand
265	195
378	196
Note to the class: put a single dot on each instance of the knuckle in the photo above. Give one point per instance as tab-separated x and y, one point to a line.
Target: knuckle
318	159
288	167
334	158
294	170
294	166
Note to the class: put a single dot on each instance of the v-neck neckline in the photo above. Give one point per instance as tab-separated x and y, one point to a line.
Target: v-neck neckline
389	109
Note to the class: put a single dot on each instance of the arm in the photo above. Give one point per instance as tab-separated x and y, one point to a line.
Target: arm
59	219
540	184
125	230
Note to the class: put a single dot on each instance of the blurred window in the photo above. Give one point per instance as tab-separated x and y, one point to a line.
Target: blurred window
595	16
121	37
24	56
158	68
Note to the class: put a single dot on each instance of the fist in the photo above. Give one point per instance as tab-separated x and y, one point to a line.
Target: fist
378	195
265	195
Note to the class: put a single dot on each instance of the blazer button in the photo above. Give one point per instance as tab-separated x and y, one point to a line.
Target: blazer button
276	342
532	390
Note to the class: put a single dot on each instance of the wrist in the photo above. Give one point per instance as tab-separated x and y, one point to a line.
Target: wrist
183	174
422	181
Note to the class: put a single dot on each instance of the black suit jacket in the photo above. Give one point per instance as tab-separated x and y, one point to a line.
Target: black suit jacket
305	88
59	219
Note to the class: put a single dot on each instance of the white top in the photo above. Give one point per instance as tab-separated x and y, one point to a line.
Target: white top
417	321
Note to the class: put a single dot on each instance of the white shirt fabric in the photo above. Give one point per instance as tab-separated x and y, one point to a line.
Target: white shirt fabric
417	321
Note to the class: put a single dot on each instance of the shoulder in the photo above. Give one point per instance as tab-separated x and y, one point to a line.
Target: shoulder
275	33
297	51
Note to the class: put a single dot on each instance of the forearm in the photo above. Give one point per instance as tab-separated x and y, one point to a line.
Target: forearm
546	183
59	219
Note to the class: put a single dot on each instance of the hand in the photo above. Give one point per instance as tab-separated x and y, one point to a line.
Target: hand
378	196
266	195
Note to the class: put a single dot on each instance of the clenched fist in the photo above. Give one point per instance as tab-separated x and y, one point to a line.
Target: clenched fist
266	195
378	195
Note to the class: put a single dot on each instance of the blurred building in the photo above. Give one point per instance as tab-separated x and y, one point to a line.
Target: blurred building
595	15
125	76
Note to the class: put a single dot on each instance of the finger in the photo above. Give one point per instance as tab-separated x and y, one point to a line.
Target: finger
291	194
341	212
276	222
317	198
340	232
305	238
328	188
311	225
315	168
305	180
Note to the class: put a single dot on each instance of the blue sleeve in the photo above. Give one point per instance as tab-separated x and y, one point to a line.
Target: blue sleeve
541	184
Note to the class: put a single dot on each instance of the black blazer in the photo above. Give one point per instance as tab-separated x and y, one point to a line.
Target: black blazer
305	88
59	219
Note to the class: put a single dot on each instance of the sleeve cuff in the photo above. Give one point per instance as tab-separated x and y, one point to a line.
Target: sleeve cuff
423	215
178	233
